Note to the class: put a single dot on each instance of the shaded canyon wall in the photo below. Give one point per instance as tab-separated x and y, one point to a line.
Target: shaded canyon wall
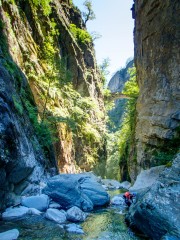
157	60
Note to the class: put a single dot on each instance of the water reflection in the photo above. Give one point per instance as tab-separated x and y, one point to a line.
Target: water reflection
107	224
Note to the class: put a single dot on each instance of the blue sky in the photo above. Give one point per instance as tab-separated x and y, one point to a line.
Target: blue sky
114	22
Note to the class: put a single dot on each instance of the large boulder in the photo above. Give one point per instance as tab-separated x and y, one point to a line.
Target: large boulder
9	235
156	210
147	177
15	213
80	190
94	191
65	190
75	214
40	202
56	215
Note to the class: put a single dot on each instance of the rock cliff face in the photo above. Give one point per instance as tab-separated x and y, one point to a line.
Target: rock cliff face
117	82
157	34
50	97
157	62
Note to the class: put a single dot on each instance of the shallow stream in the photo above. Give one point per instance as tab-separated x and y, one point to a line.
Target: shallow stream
102	224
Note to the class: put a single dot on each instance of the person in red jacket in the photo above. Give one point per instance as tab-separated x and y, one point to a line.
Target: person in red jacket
128	197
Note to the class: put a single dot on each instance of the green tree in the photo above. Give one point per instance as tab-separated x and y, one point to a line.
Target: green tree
131	88
89	14
103	67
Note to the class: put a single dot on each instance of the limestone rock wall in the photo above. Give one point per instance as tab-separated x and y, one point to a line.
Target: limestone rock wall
117	82
157	59
33	101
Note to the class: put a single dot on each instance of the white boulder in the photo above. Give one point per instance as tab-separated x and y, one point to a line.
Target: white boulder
56	215
9	235
75	214
40	202
15	213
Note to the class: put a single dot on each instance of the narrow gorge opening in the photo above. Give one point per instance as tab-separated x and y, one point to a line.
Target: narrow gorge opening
70	133
113	42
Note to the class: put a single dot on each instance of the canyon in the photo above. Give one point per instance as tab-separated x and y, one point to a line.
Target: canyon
52	105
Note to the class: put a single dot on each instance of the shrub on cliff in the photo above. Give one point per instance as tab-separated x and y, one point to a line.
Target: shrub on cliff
81	36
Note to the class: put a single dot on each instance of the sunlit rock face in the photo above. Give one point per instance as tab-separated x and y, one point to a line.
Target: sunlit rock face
25	29
116	83
156	39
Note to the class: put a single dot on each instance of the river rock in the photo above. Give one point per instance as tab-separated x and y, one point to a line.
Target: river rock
66	190
40	202
15	213
94	191
55	205
147	177
125	185
117	200
111	184
34	211
9	235
75	214
56	215
74	228
156	210
80	190
105	187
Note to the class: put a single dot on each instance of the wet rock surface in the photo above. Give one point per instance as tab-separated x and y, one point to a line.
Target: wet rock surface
156	211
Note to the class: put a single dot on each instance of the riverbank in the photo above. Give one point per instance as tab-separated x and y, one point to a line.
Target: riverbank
101	224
